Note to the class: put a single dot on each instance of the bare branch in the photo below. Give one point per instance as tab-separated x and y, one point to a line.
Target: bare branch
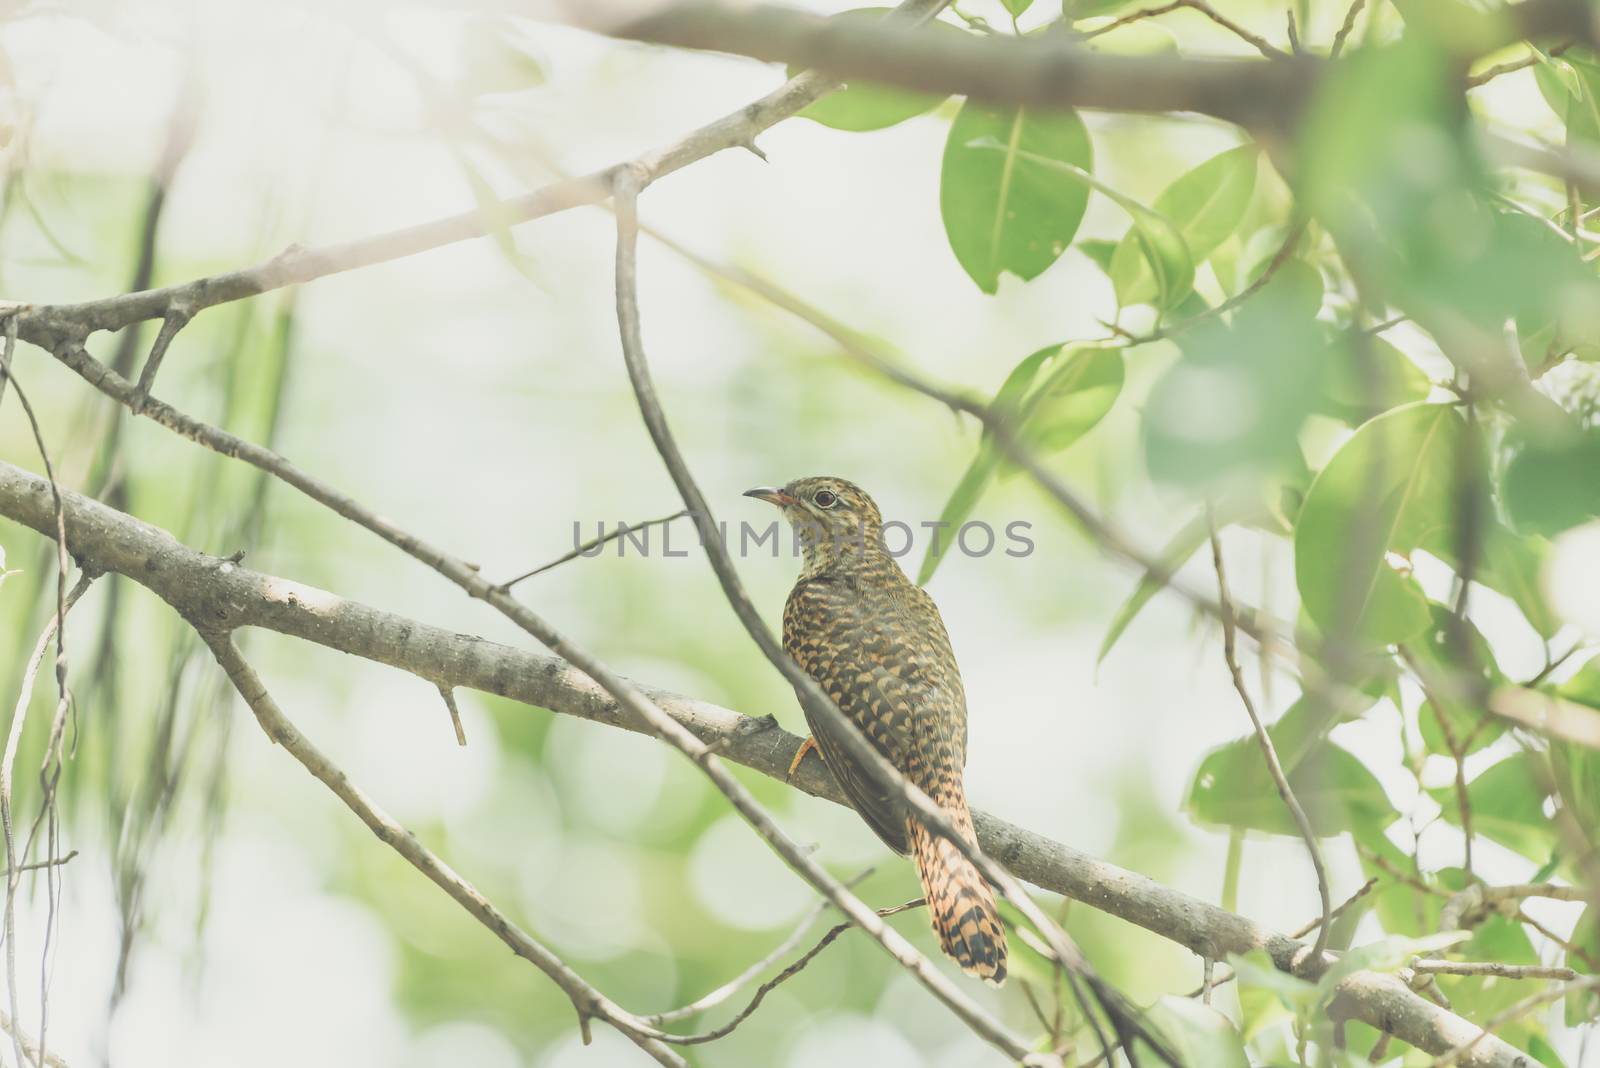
9	352
178	314
1256	41
19	718
449	696
591	545
1492	967
588	1001
788	973
722	993
1268	750
1346	28
1039	72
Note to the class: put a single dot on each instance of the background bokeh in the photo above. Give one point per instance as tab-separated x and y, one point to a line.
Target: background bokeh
475	395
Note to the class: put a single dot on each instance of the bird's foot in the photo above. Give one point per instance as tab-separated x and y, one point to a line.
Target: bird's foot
805	747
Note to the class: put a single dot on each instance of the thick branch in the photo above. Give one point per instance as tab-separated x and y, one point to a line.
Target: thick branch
1040	71
225	595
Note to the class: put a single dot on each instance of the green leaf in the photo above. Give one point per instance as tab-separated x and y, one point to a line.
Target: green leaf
1080	387
1513	565
1544	1053
1359	382
1547	489
1470	726
1099	251
1387	490
1053	397
862	106
1583	687
1507	806
1165	254
1230	411
1005	211
1204	205
1571	86
1017	7
1233	787
963	499
1198	1034
1074	10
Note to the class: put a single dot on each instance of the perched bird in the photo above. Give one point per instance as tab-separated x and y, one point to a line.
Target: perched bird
875	643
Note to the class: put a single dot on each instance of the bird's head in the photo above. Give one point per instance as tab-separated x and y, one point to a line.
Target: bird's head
834	519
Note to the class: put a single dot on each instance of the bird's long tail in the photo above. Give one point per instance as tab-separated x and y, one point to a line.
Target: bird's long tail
960	901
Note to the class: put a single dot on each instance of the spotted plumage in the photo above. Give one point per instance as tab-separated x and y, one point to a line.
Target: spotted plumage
875	643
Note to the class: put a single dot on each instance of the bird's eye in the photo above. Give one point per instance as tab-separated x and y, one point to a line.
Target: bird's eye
825	498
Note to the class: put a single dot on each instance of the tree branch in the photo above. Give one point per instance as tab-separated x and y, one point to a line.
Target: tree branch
226	595
1040	72
50	326
588	1001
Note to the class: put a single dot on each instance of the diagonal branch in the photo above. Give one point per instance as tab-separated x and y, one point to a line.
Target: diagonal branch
588	1001
226	595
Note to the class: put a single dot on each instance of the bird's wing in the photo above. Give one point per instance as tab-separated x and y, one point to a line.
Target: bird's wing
884	676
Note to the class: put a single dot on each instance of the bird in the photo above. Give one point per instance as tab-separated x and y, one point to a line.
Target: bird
876	644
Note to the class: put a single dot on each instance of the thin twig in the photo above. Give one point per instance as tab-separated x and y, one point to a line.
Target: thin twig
734	985
788	973
1566	945
1256	41
592	544
1494	968
449	696
178	314
9	352
19	717
1346	28
1312	925
1489	74
1268	750
588	1001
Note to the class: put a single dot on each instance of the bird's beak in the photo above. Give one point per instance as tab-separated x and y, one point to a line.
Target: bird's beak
770	494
